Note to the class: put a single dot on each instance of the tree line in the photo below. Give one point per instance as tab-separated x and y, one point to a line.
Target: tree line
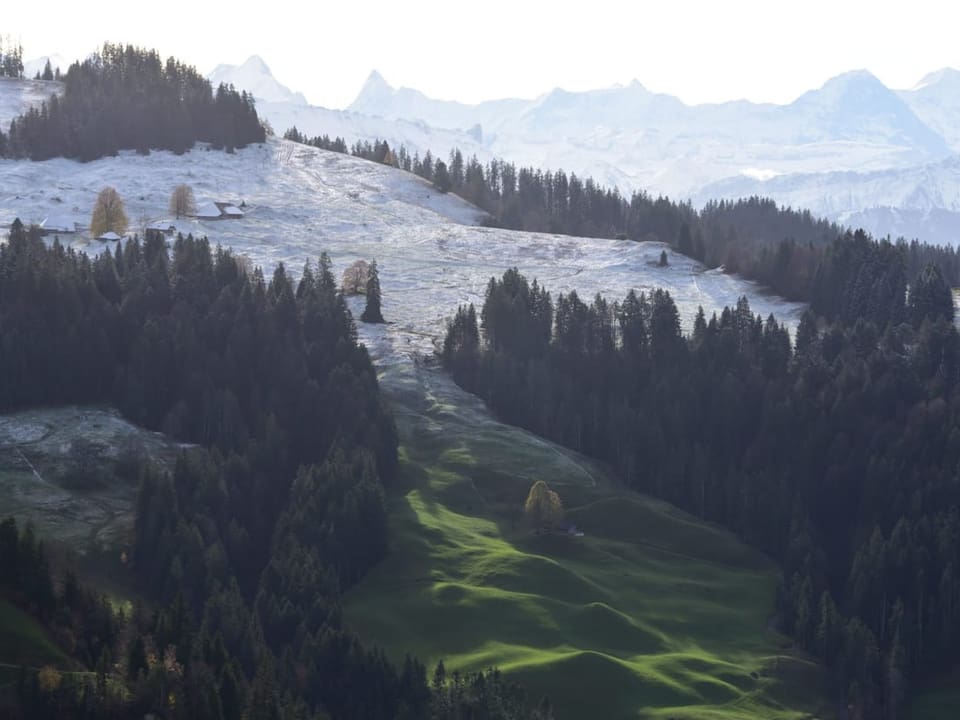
776	246
836	455
126	98
11	58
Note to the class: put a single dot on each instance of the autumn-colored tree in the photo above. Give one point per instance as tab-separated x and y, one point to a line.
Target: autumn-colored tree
182	202
49	679
355	278
543	507
108	214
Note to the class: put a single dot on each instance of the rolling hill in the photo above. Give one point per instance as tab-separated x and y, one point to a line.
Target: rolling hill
663	615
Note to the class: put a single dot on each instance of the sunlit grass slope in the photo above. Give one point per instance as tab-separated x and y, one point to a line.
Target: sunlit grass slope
23	641
649	614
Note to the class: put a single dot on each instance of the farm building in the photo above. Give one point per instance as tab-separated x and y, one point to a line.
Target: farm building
218	211
230	211
58	225
165	228
109	237
208	211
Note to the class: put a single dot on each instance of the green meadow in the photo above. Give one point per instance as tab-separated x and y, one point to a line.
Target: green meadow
650	613
23	641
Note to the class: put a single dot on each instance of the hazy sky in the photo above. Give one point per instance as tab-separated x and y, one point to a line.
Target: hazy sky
699	51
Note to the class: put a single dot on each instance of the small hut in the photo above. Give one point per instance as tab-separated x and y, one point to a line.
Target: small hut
229	212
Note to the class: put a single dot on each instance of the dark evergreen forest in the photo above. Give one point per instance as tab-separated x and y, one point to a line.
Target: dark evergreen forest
837	456
246	545
126	98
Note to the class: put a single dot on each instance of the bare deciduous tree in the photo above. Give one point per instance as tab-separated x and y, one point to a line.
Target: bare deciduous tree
182	202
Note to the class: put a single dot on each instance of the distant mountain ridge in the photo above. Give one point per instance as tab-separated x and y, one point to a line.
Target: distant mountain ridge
845	150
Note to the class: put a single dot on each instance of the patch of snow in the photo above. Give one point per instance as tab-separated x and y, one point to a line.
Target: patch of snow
759	173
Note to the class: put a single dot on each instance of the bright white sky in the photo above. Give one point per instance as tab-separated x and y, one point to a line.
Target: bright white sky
701	51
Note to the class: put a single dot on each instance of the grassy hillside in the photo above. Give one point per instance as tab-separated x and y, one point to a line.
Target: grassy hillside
23	641
650	614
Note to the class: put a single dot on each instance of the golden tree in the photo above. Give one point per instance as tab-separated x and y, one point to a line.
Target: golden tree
355	278
108	214
543	507
49	679
182	202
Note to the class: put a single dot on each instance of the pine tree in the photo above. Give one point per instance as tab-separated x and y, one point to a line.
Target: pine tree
441	177
372	313
930	297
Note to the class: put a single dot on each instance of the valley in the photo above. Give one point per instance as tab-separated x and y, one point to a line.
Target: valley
670	615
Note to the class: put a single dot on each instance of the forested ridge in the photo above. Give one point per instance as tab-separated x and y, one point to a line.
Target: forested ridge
777	246
127	98
836	455
245	547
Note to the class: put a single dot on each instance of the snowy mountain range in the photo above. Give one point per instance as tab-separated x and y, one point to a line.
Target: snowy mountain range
852	150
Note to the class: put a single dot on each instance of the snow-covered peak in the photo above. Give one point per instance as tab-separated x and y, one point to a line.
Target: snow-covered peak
857	106
375	83
947	78
375	96
255	77
256	64
936	100
856	84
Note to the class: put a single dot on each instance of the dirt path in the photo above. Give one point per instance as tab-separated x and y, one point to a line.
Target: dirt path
36	474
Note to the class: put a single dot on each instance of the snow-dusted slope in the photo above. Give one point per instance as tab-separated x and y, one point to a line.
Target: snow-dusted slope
16	96
301	201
